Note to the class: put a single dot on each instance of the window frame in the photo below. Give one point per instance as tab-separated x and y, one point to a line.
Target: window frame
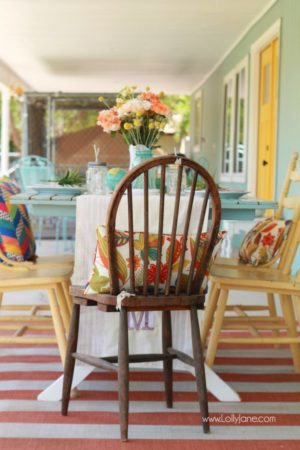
233	77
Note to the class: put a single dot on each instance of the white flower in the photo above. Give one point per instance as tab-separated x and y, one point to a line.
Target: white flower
133	106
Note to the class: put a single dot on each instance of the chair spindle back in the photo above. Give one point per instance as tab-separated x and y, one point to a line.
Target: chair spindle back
199	264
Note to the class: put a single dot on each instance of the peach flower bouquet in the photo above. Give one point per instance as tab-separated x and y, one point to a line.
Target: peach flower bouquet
139	117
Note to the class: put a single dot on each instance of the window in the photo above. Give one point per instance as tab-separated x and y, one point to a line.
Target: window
234	124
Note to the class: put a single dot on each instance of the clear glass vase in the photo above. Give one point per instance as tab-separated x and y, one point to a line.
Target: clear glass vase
139	154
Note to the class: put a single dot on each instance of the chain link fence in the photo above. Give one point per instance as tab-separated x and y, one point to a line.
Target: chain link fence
63	128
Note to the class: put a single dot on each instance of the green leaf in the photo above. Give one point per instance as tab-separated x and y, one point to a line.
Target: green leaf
121	238
122	267
71	178
139	243
99	283
152	254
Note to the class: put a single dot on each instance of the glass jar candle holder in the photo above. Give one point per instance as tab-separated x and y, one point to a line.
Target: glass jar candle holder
96	178
172	178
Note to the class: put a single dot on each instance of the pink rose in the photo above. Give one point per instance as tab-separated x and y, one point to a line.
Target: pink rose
109	120
160	108
156	105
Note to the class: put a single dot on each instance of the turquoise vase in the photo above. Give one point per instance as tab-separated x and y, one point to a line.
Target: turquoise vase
139	154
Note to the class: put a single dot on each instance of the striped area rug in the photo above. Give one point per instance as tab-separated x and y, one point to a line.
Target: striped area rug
267	418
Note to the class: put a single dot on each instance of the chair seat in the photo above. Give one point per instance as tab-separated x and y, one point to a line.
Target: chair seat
34	277
137	302
221	261
44	262
55	260
256	279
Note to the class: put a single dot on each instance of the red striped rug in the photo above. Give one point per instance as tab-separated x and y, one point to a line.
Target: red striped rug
267	418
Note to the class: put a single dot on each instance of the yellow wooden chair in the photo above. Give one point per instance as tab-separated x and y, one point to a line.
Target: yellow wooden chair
273	278
292	176
273	282
286	202
26	318
22	323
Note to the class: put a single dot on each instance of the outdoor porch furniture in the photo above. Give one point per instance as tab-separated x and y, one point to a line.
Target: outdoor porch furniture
32	170
51	205
277	261
90	211
273	278
19	271
26	318
289	183
189	297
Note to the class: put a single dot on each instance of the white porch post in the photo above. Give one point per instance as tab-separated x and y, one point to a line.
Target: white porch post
5	129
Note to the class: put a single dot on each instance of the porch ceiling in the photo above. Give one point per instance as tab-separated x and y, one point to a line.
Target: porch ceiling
100	45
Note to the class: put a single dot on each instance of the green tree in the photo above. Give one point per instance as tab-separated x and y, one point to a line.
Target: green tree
180	105
72	120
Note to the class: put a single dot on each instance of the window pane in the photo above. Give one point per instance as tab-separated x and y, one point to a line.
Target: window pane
228	123
239	159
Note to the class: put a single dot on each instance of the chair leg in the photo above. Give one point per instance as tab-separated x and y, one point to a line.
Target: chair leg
199	369
66	286
58	324
40	228
70	361
167	363
209	312
272	313
297	304
123	374
65	230
289	317
57	232
216	328
63	307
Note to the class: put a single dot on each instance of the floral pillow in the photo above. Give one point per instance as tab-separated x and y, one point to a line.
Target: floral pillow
16	237
99	279
263	241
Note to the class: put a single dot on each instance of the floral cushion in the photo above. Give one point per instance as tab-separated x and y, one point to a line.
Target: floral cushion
16	238
263	241
99	279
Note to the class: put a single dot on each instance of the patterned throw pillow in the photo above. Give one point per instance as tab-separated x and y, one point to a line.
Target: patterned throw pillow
16	238
99	279
263	241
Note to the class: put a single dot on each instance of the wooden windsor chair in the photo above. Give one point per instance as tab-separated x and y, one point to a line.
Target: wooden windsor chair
154	297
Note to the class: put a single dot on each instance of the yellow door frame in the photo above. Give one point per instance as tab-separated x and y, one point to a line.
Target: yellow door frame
267	120
272	33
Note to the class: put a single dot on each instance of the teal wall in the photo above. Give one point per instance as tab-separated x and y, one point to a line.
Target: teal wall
288	131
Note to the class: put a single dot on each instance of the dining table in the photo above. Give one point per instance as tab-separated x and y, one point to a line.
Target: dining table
62	205
98	332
